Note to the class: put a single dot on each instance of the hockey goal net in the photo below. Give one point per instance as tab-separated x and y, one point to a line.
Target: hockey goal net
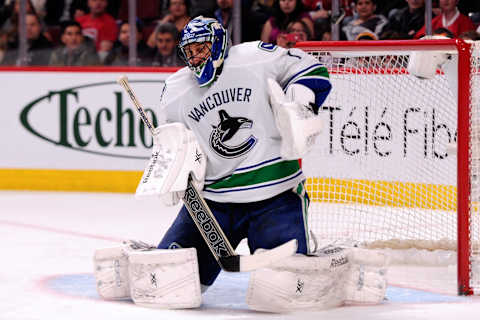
397	163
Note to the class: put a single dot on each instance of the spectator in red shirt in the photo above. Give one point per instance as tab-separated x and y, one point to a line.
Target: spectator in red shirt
450	19
100	26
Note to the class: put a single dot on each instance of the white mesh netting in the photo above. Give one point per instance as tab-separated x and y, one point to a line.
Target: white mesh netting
384	170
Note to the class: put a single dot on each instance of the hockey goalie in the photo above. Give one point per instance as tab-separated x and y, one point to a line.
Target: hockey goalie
237	121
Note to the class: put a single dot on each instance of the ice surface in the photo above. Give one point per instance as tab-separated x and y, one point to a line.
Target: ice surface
48	239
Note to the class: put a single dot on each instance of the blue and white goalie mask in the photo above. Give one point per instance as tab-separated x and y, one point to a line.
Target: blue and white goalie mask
204	45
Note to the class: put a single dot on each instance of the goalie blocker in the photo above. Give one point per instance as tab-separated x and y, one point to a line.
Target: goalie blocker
176	155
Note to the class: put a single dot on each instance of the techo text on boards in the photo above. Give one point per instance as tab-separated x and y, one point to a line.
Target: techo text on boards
109	128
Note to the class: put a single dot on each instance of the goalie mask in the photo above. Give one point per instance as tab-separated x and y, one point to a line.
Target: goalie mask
204	45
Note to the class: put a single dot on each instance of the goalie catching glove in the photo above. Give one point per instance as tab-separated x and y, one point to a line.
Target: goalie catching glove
176	154
296	118
424	64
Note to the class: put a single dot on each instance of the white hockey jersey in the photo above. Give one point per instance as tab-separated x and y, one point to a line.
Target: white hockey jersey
234	123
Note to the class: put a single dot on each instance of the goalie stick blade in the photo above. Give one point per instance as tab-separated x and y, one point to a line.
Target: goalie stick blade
237	263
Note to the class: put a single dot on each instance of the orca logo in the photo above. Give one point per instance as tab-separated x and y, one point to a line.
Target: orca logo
225	130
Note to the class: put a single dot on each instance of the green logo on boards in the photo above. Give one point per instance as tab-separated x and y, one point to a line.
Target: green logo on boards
91	118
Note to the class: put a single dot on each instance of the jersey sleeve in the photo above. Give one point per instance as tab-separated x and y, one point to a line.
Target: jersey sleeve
171	98
301	68
167	105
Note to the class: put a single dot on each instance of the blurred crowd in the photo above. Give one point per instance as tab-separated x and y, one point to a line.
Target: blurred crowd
97	32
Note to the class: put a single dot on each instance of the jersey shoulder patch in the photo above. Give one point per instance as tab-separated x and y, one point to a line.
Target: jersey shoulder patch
270	47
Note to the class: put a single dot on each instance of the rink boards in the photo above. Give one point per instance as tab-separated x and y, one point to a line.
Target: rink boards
74	129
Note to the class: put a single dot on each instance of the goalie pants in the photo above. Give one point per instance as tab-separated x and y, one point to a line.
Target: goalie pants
267	224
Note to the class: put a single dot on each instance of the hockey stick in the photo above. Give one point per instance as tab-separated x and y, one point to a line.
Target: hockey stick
208	225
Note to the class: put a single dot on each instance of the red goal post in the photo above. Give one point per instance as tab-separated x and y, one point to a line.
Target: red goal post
398	160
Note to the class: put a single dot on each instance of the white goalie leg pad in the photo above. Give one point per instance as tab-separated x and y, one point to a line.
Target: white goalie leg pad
366	281
365	285
300	283
334	276
111	269
296	122
165	278
111	273
176	153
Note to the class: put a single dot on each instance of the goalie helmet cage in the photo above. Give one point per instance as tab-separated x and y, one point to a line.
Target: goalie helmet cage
390	168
